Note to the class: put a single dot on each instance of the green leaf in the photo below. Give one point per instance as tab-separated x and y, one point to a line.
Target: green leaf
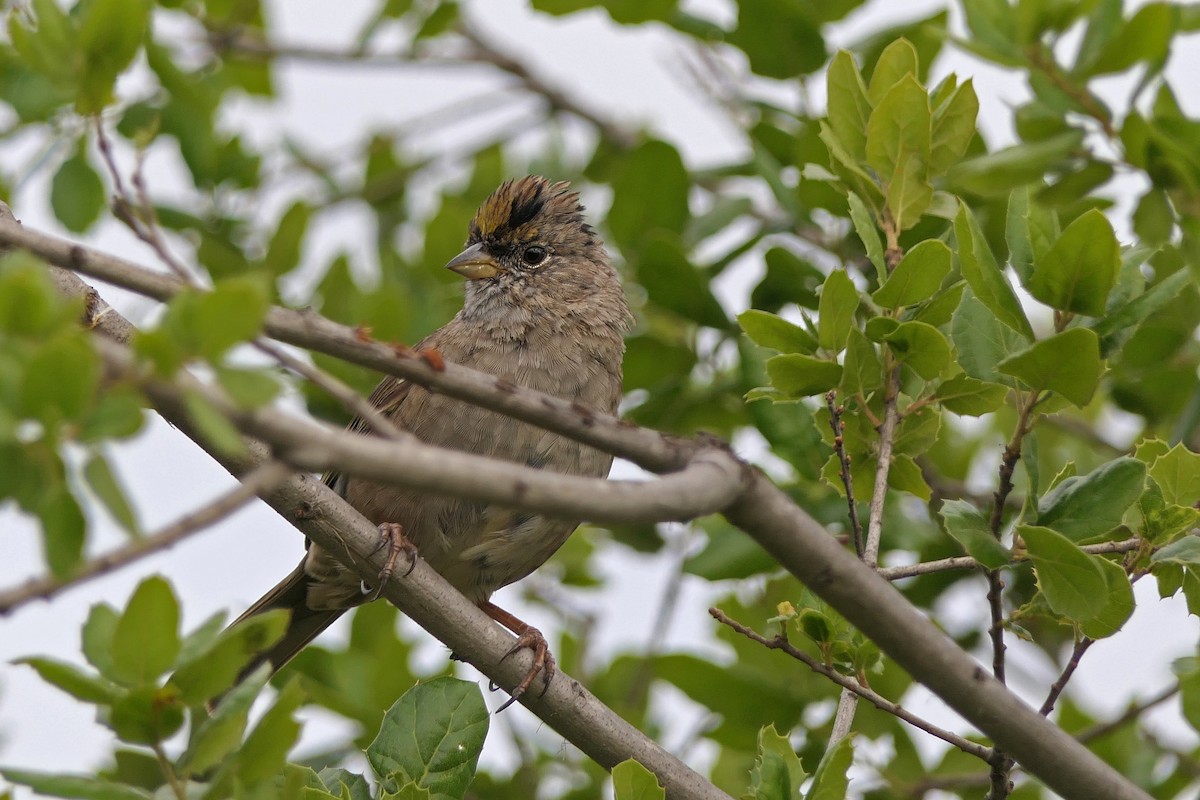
76	193
898	148
214	669
1144	38
1030	229
1067	363
953	128
778	773
61	378
356	785
72	680
862	370
849	108
970	529
219	735
432	736
1086	506
1177	472
263	753
897	60
632	781
1081	267
283	254
103	482
800	375
674	284
232	313
146	715
249	388
830	781
917	277
868	232
1118	601
1185	552
969	396
998	173
835	314
146	638
63	530
780	38
110	34
984	276
650	194
775	332
51	46
212	425
83	787
1143	307
1074	584
117	414
97	638
920	346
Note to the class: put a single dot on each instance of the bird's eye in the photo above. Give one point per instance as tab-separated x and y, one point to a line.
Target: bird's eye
534	255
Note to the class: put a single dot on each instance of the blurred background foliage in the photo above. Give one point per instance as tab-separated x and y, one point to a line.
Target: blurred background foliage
697	247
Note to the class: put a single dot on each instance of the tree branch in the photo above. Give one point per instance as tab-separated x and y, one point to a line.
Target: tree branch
847	683
966	562
258	481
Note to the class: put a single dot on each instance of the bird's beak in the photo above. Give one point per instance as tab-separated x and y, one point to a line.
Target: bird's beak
475	263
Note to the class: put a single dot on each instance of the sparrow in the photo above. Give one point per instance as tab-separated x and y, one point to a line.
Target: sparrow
543	309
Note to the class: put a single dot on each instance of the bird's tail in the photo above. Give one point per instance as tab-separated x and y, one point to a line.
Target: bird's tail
305	623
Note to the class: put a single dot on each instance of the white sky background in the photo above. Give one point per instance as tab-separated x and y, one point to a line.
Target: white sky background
632	74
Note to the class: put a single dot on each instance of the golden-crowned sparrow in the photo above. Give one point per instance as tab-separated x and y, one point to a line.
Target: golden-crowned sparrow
544	309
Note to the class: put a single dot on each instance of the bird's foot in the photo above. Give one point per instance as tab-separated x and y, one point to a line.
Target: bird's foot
543	662
391	536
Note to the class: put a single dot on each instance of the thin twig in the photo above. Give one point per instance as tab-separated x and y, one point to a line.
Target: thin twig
260	480
839	448
351	400
847	683
1102	729
1056	688
966	562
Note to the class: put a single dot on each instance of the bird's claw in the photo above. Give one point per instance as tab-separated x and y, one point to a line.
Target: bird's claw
543	662
391	536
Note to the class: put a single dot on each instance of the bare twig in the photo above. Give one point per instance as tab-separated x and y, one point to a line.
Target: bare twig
849	684
262	479
839	448
1102	729
966	562
1056	689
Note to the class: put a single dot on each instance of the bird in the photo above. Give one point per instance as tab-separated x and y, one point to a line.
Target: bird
543	308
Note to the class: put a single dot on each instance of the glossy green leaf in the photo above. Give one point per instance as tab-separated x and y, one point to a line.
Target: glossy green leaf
998	173
849	108
1067	363
632	781
969	396
775	332
898	143
1073	583
432	736
1177	472
920	346
1086	506
984	275
862	370
800	376
777	771
76	193
1143	307
835	314
896	61
1030	229
1118	601
868	232
204	675
971	530
917	277
221	733
1079	270
953	127
146	638
1185	552
146	715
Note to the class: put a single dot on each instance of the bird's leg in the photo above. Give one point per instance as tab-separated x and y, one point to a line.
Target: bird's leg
391	536
528	638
